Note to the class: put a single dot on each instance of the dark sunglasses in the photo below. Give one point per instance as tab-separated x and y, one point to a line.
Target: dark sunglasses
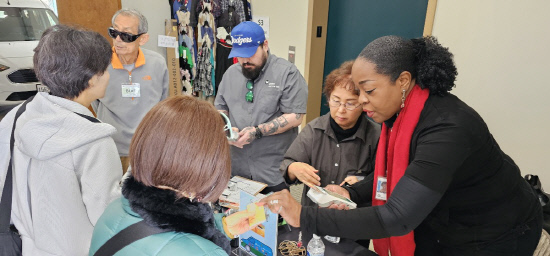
125	37
249	95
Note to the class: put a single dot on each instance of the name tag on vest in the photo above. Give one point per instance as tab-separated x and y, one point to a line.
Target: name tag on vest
130	90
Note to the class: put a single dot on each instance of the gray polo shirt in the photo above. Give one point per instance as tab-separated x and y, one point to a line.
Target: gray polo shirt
279	89
125	114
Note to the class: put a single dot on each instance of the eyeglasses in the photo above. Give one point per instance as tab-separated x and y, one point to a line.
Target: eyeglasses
229	133
250	94
125	37
348	106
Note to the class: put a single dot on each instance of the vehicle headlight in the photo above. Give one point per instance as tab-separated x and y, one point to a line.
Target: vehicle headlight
3	67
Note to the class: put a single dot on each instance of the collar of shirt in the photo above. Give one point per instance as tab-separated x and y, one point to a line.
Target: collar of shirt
324	125
117	64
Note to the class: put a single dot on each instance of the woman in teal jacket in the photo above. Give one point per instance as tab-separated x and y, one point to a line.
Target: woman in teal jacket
180	164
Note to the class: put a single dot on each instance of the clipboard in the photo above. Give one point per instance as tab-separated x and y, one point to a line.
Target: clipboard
230	197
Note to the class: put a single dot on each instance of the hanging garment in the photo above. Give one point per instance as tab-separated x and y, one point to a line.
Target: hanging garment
203	82
186	40
237	5
222	62
186	68
247	9
228	19
206	45
206	23
215	8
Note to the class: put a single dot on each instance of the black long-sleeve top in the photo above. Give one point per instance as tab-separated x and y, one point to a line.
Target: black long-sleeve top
459	190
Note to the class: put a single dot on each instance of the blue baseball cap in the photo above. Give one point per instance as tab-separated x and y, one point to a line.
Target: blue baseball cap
246	37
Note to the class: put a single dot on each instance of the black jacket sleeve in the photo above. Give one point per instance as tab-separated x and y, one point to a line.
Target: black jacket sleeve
361	192
406	208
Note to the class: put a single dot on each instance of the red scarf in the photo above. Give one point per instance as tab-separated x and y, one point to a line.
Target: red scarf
396	143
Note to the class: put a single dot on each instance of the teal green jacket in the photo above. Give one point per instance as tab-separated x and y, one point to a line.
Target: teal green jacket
119	215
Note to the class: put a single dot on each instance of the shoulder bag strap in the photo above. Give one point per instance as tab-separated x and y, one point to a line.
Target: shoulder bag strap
5	203
91	119
127	236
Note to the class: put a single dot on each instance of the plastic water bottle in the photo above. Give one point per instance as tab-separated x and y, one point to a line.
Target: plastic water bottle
316	247
333	239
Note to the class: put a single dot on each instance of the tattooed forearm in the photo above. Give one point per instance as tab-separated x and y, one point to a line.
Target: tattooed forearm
281	124
282	121
271	127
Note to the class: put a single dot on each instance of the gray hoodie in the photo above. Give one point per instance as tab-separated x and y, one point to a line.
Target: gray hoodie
66	172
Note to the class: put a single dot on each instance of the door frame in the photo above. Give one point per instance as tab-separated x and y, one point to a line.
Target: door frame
316	46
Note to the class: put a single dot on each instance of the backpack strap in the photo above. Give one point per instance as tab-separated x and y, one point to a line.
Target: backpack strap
127	236
5	203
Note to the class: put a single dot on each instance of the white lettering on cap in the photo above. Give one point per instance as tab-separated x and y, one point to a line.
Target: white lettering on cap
241	40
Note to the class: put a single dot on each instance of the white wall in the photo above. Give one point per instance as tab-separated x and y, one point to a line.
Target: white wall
156	12
287	26
502	54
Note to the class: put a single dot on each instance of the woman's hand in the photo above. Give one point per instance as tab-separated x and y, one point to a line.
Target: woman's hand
238	223
305	173
284	204
338	190
341	191
350	180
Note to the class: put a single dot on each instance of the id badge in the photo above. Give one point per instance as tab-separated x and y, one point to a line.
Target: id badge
381	189
130	90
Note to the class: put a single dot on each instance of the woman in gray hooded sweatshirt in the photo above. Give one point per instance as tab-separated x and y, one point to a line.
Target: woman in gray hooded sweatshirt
66	168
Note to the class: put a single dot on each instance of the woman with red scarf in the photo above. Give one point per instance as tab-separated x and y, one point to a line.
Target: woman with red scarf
450	190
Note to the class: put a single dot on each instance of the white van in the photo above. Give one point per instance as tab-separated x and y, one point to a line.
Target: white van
22	22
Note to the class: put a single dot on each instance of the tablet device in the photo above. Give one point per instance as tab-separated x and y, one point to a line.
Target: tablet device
325	198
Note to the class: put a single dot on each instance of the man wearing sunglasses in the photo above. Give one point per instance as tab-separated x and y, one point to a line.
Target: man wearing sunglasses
265	97
139	79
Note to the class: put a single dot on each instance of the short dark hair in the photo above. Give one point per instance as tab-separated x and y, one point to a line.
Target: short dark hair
180	143
66	58
340	77
428	62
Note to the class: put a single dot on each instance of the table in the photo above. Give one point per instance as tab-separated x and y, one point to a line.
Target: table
345	247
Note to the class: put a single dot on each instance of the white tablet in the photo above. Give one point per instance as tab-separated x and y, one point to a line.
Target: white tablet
325	198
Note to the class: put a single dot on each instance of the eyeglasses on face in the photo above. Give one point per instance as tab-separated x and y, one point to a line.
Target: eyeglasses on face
250	94
349	106
125	37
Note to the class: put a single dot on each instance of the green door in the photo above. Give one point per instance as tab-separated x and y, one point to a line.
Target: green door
352	24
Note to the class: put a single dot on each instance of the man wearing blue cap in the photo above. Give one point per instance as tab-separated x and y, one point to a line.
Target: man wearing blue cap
265	97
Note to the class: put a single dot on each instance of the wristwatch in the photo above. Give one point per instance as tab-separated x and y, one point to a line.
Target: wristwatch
259	133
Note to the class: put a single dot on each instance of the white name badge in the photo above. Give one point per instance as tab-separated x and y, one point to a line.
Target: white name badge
130	90
381	189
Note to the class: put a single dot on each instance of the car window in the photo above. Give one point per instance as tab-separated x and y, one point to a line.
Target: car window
24	24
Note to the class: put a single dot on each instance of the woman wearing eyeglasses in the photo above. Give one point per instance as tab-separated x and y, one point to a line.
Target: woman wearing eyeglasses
180	164
450	189
337	146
